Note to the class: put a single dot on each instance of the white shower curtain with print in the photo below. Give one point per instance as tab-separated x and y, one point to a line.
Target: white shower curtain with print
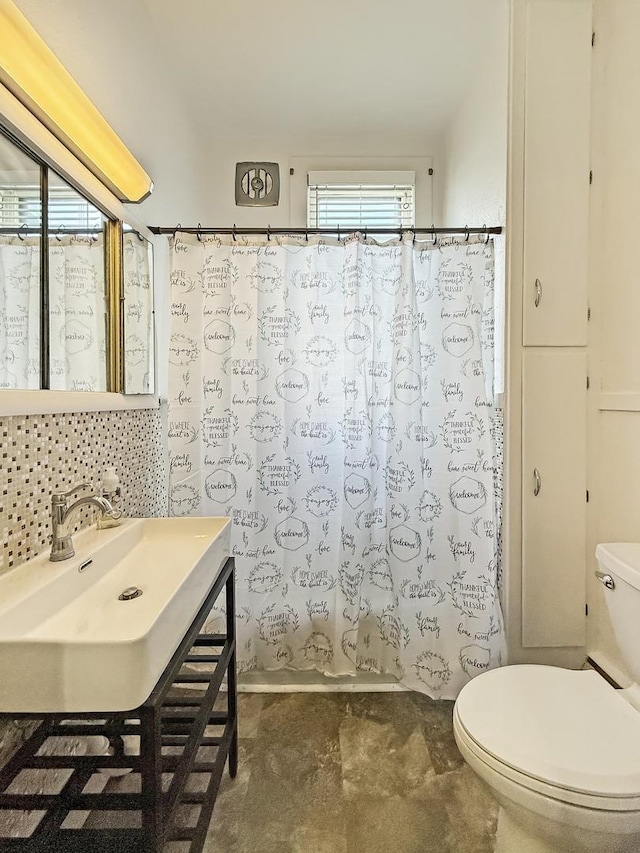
77	313
335	400
19	312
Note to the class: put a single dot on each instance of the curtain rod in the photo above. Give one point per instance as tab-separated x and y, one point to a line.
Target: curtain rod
199	229
62	231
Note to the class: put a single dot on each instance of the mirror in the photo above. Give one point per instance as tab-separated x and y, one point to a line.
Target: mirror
78	290
20	267
137	282
76	302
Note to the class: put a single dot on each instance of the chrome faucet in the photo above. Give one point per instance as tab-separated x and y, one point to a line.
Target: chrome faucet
61	544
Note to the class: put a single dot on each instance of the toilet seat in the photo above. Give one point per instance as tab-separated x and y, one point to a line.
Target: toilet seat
565	734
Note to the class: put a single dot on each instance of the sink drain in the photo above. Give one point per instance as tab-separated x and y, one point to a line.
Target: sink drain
129	593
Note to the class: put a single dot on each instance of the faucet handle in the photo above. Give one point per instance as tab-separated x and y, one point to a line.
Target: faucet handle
62	497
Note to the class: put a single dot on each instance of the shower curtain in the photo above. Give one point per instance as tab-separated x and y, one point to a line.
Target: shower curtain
138	320
335	399
19	312
77	313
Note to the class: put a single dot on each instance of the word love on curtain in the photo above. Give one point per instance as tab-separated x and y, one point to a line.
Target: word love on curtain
335	400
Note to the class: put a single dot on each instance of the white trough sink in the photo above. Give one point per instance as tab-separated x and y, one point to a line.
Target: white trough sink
67	643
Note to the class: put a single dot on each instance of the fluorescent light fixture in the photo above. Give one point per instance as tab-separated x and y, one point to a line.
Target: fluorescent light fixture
34	75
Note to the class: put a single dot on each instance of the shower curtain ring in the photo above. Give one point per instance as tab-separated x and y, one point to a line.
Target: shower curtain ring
24	225
338	232
466	233
487	235
58	232
198	235
434	235
306	235
233	233
268	232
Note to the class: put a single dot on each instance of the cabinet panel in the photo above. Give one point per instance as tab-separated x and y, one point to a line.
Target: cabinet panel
556	172
554	521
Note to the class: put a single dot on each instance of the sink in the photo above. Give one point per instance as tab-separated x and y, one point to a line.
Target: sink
68	643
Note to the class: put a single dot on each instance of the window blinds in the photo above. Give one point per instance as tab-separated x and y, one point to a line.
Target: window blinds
354	200
67	209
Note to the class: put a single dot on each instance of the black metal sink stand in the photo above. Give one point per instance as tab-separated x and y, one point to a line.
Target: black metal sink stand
169	793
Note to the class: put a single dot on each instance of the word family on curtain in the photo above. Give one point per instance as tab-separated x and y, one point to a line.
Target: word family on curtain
335	399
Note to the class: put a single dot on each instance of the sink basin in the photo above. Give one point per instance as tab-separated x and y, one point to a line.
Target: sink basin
68	643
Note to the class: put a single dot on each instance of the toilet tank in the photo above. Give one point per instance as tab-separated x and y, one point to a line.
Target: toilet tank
621	561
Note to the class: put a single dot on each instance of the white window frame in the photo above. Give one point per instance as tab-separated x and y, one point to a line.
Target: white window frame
356	186
300	167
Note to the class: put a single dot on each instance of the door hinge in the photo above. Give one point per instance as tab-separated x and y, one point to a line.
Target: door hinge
587	495
588	383
591	176
593	39
586	610
292	171
588	314
431	171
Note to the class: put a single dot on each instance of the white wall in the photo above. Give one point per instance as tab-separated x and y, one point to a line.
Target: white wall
112	53
614	344
388	152
473	180
475	144
118	59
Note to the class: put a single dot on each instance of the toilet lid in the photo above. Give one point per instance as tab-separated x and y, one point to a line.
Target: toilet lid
567	728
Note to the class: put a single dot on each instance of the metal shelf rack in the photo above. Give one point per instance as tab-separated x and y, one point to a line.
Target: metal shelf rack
167	790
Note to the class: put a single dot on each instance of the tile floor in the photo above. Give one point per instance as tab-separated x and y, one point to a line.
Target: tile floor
350	773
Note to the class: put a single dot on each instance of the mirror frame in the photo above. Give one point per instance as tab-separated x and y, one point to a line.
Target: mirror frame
112	272
120	346
24	130
115	303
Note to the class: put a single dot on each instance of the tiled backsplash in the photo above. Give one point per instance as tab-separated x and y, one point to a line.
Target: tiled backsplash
43	454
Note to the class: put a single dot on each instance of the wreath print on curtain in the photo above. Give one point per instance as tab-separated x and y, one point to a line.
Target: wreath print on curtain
335	400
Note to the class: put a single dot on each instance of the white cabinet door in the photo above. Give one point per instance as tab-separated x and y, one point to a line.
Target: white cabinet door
556	172
554	519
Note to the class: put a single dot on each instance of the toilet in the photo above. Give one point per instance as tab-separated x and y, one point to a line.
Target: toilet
560	748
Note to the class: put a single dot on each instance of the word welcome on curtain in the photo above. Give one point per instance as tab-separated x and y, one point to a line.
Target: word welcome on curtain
335	399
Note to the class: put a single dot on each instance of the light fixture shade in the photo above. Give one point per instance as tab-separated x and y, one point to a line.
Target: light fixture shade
34	75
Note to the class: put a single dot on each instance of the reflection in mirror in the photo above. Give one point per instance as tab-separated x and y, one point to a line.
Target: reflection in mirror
137	261
78	302
20	267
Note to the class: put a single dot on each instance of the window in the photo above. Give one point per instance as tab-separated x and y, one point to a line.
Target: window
21	208
360	199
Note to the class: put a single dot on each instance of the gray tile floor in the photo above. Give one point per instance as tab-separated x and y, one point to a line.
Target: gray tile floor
350	773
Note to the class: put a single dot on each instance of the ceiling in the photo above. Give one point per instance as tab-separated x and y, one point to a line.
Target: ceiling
331	67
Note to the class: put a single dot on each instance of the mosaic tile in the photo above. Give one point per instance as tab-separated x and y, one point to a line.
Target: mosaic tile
43	454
